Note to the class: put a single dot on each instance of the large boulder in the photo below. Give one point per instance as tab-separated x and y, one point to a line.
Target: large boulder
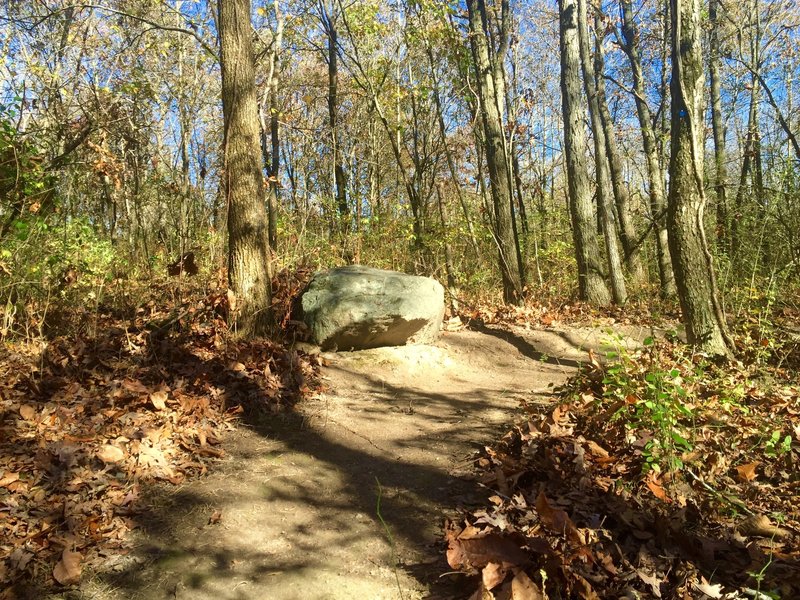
356	307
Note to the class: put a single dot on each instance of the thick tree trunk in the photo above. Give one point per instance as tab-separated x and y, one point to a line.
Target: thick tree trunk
591	285
602	175
655	175
248	252
496	156
691	258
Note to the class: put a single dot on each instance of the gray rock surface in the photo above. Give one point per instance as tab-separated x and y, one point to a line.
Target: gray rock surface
357	307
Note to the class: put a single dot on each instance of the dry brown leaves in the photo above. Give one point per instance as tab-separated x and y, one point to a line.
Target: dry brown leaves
582	514
547	314
86	422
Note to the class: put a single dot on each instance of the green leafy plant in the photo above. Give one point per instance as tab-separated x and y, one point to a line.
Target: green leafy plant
777	445
653	404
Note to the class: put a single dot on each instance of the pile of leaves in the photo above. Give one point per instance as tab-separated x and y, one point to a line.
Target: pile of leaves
87	421
658	474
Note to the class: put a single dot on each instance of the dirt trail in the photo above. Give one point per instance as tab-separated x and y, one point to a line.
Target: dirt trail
300	496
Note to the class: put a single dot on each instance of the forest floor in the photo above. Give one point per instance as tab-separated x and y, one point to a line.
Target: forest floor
537	453
346	497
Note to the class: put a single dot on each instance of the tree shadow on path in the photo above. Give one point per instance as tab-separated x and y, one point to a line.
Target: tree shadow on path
323	502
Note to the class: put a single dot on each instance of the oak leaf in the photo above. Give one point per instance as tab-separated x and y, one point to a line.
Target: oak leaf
746	472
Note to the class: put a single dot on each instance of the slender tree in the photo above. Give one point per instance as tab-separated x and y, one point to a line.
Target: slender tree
627	231
691	258
591	285
718	128
655	172
602	172
488	64
249	273
329	16
270	134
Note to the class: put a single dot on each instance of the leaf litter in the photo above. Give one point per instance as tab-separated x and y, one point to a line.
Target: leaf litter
87	420
656	474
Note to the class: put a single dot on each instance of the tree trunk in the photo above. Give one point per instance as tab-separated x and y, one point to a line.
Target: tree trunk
748	153
272	154
601	163
655	175
691	258
340	179
496	155
717	126
248	252
591	285
452	280
627	231
449	154
272	194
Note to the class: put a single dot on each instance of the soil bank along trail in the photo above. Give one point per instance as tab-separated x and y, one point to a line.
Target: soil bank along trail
345	499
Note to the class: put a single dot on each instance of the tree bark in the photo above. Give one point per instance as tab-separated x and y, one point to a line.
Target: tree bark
271	151
591	285
627	231
448	153
602	174
496	155
452	280
339	176
691	258
718	128
248	252
655	177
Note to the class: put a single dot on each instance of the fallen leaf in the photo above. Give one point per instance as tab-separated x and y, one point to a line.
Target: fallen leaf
159	400
20	558
584	588
8	478
746	472
712	591
761	526
110	454
471	550
654	485
523	588
596	449
651	580
493	575
134	386
27	412
556	519
68	570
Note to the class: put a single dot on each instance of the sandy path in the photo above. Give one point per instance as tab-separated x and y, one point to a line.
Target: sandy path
299	496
